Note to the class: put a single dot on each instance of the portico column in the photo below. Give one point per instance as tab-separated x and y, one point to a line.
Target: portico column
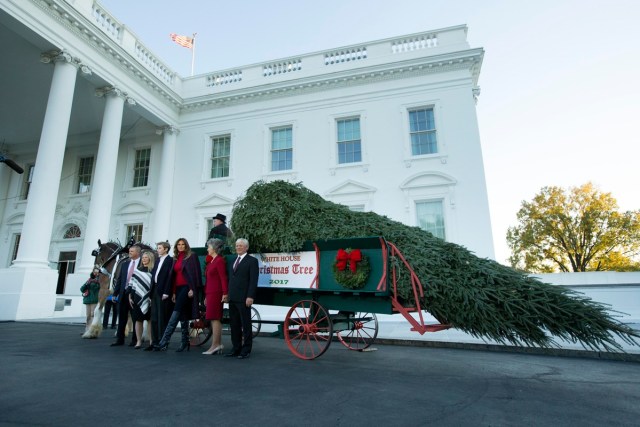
105	174
165	185
5	179
43	193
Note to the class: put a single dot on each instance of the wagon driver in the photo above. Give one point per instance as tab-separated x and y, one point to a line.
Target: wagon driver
220	229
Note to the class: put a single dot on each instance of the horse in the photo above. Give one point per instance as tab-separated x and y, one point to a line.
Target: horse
108	259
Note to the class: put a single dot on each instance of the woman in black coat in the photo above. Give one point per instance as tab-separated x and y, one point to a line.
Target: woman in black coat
186	280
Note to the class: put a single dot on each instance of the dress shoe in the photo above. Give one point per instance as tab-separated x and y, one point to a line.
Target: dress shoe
132	344
117	343
137	347
232	355
217	350
150	348
243	356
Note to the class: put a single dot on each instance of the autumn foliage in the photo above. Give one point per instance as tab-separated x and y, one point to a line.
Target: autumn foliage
576	230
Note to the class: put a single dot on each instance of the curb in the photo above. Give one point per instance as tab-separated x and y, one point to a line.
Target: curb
559	352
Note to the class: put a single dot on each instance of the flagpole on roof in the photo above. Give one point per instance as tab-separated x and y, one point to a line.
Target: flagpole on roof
193	52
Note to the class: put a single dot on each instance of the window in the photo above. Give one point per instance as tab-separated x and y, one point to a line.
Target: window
356	208
349	141
85	170
134	230
141	167
16	245
422	128
73	232
28	179
220	154
281	149
208	228
430	217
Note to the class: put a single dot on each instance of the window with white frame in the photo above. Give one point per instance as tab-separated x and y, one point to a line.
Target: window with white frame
282	148
141	167
135	231
16	246
422	128
85	172
26	183
220	156
430	217
349	143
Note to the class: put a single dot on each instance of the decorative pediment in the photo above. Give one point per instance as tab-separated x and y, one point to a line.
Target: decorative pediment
349	187
214	199
430	179
16	219
134	208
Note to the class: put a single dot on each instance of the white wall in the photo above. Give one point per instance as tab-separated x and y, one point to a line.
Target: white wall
386	166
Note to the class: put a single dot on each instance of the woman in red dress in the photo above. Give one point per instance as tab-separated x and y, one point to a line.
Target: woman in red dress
215	291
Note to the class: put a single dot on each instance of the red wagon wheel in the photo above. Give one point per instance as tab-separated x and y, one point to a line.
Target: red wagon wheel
362	332
308	329
199	331
200	328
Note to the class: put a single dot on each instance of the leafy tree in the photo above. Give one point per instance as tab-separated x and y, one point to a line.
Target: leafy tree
576	230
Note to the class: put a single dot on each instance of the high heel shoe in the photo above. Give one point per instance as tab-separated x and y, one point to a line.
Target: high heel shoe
184	346
217	350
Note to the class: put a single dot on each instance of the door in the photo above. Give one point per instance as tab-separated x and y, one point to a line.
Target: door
66	266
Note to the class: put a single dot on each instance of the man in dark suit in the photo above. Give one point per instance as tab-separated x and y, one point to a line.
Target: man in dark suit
161	305
243	283
120	291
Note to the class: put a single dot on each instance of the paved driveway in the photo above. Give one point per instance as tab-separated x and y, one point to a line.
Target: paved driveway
50	376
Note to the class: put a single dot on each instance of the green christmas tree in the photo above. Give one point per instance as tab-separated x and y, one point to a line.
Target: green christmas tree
476	295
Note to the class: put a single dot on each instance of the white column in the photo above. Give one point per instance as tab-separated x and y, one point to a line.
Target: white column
165	186
43	193
5	179
105	175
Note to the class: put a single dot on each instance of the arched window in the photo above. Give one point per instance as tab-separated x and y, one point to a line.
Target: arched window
73	232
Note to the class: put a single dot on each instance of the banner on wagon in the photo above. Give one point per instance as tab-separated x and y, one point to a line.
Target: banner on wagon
287	270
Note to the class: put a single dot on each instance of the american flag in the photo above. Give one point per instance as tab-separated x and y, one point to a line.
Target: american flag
183	41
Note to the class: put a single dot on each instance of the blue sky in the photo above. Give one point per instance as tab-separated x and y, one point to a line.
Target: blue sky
560	91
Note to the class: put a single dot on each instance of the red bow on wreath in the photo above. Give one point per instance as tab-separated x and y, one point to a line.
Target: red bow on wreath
351	257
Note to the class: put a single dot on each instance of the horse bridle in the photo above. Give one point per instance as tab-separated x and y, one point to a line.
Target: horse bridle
113	256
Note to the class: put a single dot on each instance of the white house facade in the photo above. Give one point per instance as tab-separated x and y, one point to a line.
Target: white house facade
113	142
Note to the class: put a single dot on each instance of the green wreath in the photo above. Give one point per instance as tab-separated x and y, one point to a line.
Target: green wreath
343	273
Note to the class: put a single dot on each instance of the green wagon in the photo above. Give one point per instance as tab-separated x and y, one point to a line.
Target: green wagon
332	287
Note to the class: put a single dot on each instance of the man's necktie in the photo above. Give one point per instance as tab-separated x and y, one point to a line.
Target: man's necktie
132	265
235	264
